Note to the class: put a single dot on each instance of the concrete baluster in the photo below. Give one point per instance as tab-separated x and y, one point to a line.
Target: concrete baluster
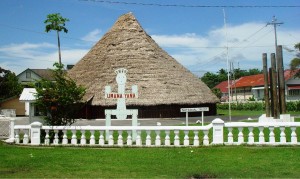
110	138
218	125
205	138
148	138
74	137
83	138
196	138
47	140
167	139
293	135
176	138
92	138
240	135
120	138
65	138
282	135
35	133
230	135
271	135
261	138
129	138
12	130
17	137
25	137
251	136
56	140
157	139
186	141
138	138
101	138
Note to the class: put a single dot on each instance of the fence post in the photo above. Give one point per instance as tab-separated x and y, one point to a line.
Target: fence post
35	133
11	138
218	125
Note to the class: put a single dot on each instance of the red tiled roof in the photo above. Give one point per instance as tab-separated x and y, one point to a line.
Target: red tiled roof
252	80
258	80
289	74
223	86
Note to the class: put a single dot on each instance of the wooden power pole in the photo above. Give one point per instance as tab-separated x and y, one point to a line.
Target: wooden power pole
274	87
281	85
266	84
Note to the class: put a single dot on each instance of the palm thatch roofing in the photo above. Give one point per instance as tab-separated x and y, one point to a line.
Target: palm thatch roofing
160	78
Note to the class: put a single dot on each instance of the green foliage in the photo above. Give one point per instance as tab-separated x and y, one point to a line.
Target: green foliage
251	98
293	106
9	84
60	100
217	92
257	106
295	63
56	22
211	79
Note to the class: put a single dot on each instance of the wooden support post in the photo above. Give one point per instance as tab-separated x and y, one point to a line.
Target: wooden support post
271	93
281	85
274	86
266	85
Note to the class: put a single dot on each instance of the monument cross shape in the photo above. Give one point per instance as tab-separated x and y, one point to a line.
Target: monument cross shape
121	111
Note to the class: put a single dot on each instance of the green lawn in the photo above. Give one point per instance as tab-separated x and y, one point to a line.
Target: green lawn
70	162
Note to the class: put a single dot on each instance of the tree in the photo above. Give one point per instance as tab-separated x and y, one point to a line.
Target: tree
56	22
210	79
9	84
295	63
60	100
217	92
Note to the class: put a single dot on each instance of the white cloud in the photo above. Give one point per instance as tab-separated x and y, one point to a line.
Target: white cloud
92	36
40	56
197	52
246	44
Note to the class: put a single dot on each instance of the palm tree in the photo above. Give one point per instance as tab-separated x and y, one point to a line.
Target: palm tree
56	22
295	63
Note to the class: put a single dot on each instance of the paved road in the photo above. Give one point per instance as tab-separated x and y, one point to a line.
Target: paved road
143	122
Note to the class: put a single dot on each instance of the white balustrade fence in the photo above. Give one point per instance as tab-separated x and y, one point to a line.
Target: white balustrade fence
216	133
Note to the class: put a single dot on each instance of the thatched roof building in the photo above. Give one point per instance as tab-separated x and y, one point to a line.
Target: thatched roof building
162	81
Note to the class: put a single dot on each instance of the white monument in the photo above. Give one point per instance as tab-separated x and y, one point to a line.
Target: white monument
121	112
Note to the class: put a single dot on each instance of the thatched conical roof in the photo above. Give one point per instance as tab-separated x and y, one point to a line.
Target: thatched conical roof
160	78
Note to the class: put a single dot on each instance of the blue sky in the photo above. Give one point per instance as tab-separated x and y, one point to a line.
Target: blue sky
194	36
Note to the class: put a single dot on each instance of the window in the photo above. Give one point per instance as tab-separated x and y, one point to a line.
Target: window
28	74
294	92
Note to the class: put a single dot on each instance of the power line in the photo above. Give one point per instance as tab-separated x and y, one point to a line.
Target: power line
38	32
192	6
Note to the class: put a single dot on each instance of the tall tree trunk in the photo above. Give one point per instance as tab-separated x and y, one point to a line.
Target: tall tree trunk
58	43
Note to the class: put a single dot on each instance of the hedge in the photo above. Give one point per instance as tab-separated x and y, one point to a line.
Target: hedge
256	106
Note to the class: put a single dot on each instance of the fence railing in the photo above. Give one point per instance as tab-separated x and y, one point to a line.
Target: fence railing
218	132
6	127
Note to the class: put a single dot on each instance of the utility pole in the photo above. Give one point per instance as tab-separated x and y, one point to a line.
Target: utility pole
228	73
279	66
275	24
266	84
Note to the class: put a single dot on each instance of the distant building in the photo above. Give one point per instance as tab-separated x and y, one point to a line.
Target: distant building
29	76
253	86
12	105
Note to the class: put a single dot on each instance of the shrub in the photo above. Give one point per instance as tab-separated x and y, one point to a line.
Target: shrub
257	106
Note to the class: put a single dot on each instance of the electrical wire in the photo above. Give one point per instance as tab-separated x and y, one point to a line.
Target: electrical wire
192	6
